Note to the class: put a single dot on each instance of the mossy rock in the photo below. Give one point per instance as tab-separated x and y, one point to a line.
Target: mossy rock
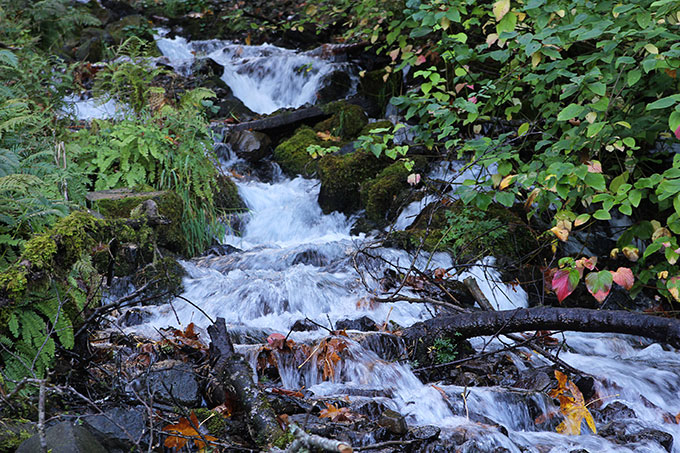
215	422
164	278
341	178
292	154
128	26
227	198
170	206
468	233
347	120
13	432
384	195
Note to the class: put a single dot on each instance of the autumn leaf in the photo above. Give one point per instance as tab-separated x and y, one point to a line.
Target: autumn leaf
337	415
623	277
673	287
632	253
327	136
599	284
594	166
505	182
564	282
572	406
501	8
185	428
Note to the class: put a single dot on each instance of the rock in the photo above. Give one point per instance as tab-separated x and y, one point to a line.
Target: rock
292	155
535	379
347	120
64	437
363	324
427	432
304	325
174	383
227	197
369	408
341	178
119	428
250	145
335	85
15	431
310	257
625	433
134	317
207	67
393	421
128	26
379	91
653	435
388	347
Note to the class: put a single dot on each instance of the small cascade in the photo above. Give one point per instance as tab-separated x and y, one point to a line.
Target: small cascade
265	78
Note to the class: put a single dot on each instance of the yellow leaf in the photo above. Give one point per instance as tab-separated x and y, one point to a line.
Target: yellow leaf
445	23
572	406
326	136
591	117
492	38
501	8
651	48
248	40
536	59
561	233
506	181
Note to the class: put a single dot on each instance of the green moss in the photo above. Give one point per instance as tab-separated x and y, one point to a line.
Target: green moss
14	432
75	234
341	178
227	198
212	420
14	279
347	120
286	439
40	250
292	154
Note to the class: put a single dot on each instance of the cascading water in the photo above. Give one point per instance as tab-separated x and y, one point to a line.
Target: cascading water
294	262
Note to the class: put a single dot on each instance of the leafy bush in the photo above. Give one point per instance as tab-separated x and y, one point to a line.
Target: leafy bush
577	101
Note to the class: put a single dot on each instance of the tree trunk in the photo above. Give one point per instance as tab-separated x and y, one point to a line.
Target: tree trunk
468	325
232	371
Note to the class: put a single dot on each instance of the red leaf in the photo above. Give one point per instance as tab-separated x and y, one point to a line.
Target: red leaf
677	133
623	277
599	284
420	60
564	282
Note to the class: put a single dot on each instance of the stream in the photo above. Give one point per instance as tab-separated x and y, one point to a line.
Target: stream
292	262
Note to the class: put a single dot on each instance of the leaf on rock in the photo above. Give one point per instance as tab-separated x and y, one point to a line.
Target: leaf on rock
185	428
572	406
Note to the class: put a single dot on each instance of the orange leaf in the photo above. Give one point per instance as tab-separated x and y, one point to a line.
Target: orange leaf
327	136
572	406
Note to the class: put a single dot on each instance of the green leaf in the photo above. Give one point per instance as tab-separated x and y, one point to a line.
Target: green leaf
601	214
633	77
596	181
598	88
662	103
507	199
599	284
523	129
507	24
634	196
570	111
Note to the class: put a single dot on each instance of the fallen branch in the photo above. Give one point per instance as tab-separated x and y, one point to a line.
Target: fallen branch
468	325
234	373
303	439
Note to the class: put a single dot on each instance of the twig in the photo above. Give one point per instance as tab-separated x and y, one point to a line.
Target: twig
41	417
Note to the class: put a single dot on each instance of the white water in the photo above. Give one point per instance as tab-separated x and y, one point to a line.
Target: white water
265	77
296	262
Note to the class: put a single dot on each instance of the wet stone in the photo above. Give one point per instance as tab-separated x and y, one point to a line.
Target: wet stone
310	257
64	437
393	421
653	435
363	324
614	411
427	432
118	428
174	383
304	325
533	379
250	145
388	347
369	408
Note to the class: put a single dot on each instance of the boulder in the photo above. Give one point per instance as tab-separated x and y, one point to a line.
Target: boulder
174	383
250	145
335	85
119	428
393	421
64	437
13	432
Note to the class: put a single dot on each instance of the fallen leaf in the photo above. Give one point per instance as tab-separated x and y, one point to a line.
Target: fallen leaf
572	406
186	428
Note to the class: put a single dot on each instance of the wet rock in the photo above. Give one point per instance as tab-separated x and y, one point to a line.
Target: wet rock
393	421
586	384
310	257
369	408
304	325
250	145
335	85
533	379
286	404
64	437
292	155
388	347
653	435
134	317
221	250
427	432
174	383
248	335
207	67
119	428
128	26
363	324
347	120
614	411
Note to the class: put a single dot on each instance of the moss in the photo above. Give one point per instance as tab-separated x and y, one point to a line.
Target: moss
14	280
213	421
347	120
14	432
383	195
227	198
292	154
40	250
286	439
75	234
341	177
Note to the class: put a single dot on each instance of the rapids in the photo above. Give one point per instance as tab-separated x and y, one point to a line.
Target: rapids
294	262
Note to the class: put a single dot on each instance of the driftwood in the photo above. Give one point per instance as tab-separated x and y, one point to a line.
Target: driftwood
468	325
235	374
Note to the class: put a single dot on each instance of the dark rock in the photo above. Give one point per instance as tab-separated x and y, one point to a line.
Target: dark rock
363	324
304	325
653	435
388	347
335	85
221	250
369	408
250	145
127	26
310	257
174	383
427	432
134	317
393	421
207	67
119	428
64	437
586	384
533	379
614	411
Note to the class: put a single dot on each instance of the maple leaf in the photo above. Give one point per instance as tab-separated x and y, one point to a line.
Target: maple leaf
572	406
185	428
337	415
